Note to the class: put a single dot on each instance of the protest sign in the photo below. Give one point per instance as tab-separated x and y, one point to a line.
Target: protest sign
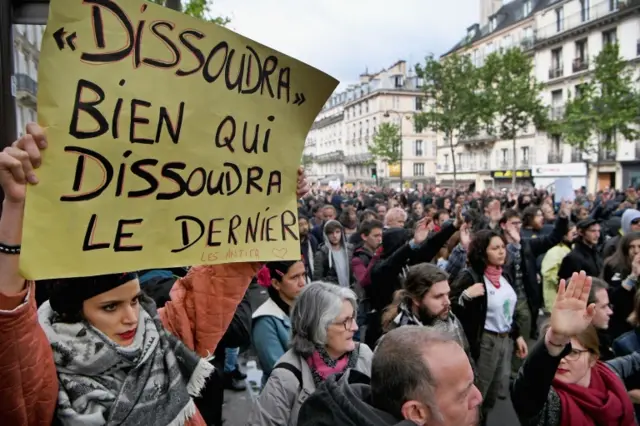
172	142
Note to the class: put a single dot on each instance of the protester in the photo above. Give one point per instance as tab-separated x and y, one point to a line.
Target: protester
323	326
621	271
562	382
551	265
485	302
419	376
332	261
424	301
585	255
99	351
284	281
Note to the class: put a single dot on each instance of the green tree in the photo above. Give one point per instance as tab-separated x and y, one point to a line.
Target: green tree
386	145
452	107
512	95
197	8
605	107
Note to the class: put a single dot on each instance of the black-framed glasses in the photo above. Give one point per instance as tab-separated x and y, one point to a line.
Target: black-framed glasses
347	323
575	354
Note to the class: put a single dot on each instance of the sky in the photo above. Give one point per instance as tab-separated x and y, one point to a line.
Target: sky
346	37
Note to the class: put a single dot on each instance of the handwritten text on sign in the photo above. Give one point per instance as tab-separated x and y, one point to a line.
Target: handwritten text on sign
172	142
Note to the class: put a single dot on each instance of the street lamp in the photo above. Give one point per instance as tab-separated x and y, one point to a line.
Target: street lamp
387	114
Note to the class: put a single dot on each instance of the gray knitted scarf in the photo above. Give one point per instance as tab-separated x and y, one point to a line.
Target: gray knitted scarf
451	325
150	382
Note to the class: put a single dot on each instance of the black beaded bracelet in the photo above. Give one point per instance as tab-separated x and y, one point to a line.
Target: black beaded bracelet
7	249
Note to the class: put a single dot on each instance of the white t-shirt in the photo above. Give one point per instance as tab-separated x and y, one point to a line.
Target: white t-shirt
501	305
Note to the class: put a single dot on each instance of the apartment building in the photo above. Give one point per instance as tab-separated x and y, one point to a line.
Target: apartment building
484	159
569	34
338	143
26	53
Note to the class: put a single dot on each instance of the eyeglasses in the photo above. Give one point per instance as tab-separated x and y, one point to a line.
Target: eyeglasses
575	354
347	323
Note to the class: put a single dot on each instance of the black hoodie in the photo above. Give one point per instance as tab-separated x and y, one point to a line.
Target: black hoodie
345	401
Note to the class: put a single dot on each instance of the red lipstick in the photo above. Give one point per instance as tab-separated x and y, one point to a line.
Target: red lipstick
128	335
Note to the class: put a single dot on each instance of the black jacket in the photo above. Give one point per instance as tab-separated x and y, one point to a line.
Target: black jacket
581	258
473	313
386	273
621	300
345	400
531	248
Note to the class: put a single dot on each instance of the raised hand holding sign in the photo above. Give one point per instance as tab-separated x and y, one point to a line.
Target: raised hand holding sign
172	142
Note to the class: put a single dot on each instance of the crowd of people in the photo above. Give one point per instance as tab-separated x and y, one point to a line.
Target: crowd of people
405	308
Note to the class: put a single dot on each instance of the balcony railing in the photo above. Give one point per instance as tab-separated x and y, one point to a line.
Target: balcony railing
526	43
525	163
556	112
582	17
580	64
554	158
26	85
334	156
556	72
607	156
505	165
576	157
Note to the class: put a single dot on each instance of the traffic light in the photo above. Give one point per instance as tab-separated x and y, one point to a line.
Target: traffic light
374	174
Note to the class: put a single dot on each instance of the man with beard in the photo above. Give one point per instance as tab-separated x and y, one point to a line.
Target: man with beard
418	377
424	300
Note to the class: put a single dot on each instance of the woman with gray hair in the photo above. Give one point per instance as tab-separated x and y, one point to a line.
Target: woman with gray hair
323	322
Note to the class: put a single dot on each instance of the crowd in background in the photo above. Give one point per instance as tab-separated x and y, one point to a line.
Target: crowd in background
404	308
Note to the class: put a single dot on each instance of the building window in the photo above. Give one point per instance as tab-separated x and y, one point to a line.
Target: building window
418	103
459	159
434	148
418	169
609	36
584	10
524	156
581	50
526	9
556	64
559	19
418	148
613	5
398	81
504	159
493	23
506	42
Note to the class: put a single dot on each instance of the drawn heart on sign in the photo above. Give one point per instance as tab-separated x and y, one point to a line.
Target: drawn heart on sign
279	253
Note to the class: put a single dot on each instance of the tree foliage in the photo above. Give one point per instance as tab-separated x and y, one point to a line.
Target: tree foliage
387	144
452	101
603	108
511	97
197	8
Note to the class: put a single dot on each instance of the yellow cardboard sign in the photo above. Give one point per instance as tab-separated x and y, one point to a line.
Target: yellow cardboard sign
172	142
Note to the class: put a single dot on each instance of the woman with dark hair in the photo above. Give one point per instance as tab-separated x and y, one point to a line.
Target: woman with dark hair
485	303
271	324
621	271
562	382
